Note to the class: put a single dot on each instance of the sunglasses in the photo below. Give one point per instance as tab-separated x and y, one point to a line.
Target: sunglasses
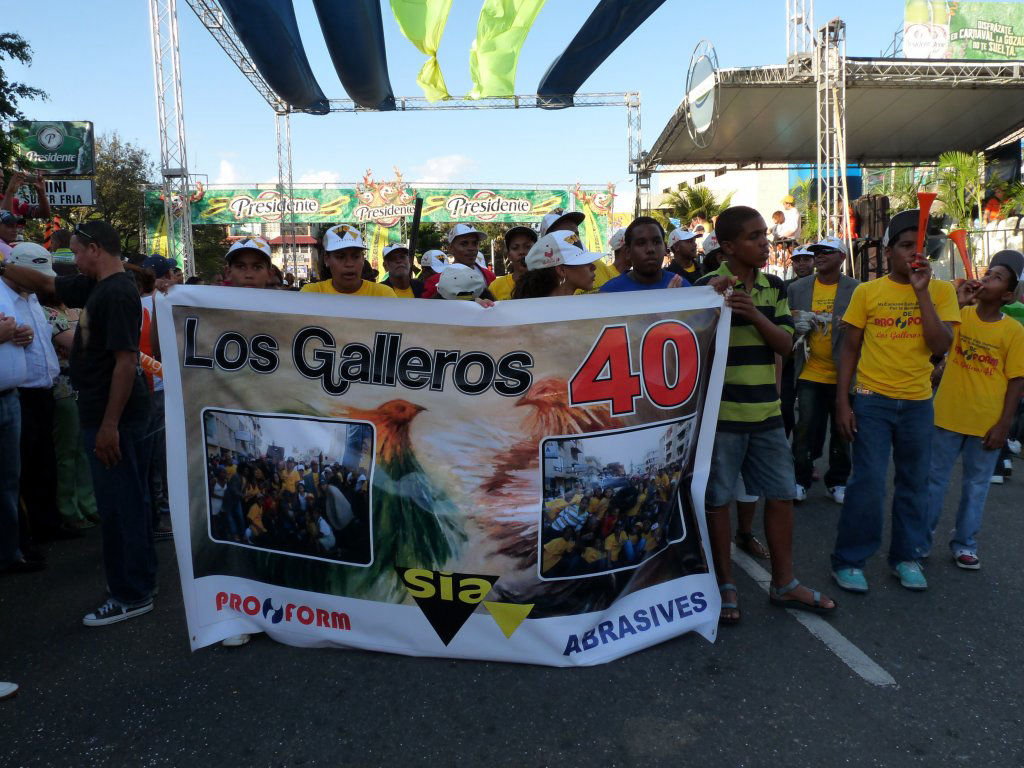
80	233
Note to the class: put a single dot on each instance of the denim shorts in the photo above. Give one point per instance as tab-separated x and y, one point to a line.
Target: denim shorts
765	460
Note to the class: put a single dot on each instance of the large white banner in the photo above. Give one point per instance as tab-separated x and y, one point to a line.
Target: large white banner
520	483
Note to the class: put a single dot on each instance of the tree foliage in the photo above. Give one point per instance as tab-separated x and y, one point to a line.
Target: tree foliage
959	182
689	201
805	195
122	171
901	187
209	244
13	46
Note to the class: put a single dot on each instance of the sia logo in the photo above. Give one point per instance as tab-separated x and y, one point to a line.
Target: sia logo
448	599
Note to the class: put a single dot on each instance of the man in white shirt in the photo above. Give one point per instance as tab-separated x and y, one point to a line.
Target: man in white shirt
790	226
13	373
38	459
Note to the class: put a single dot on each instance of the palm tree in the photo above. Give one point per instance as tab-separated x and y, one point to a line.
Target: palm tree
900	186
686	202
803	193
959	180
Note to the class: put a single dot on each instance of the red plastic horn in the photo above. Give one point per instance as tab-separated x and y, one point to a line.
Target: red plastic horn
924	203
959	237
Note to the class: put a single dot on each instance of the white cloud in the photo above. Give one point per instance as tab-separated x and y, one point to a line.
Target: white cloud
321	176
443	169
227	173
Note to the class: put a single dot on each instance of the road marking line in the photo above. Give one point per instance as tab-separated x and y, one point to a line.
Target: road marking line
835	641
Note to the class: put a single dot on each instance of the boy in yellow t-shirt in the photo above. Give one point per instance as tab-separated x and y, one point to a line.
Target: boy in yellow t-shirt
977	399
895	325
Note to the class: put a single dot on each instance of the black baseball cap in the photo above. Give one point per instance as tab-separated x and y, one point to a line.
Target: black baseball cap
899	224
101	233
530	232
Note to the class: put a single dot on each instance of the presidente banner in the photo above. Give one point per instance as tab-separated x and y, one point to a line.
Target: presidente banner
519	483
55	147
936	29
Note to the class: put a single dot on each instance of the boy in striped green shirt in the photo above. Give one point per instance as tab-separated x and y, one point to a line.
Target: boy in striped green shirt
751	439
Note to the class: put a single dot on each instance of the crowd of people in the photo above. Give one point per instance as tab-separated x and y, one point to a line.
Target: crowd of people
614	524
321	510
904	368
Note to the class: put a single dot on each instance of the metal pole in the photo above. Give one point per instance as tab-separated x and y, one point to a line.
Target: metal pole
291	196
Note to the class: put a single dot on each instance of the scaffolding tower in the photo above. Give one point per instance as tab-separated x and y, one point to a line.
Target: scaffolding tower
799	36
830	98
163	22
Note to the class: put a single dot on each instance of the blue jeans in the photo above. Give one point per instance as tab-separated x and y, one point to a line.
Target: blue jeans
122	500
10	474
817	413
902	429
978	467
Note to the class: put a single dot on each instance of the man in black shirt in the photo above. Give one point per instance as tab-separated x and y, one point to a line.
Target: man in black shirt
682	244
113	404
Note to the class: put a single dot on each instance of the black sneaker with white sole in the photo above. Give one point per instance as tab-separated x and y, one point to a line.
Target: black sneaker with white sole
114	611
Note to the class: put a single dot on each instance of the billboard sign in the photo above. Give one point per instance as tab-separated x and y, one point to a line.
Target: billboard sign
936	29
55	148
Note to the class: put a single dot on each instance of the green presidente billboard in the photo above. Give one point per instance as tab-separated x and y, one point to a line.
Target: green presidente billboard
55	148
938	29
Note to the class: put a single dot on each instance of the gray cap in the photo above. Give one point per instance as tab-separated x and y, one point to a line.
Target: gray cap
1012	260
899	224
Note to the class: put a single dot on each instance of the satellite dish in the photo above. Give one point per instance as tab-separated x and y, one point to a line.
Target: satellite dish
702	91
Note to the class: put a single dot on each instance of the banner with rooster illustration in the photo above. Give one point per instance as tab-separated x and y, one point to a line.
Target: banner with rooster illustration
520	483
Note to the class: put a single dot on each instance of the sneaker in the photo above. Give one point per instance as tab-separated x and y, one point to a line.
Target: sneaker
910	575
162	532
7	690
799	493
1013	446
997	480
837	493
113	611
1007	467
235	641
850	579
968	561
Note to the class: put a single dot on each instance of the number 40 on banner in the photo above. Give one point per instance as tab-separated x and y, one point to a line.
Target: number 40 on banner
607	374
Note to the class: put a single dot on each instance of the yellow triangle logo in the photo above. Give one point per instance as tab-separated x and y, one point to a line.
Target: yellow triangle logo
508	616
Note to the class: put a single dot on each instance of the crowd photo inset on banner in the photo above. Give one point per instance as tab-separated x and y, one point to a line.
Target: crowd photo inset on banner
290	486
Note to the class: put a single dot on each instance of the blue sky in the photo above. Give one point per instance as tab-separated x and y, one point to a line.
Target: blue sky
107	78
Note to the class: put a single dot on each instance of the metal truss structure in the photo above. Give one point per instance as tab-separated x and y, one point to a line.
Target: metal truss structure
167	74
799	35
830	98
163	22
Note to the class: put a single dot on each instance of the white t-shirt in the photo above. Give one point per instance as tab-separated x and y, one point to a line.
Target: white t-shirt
790	223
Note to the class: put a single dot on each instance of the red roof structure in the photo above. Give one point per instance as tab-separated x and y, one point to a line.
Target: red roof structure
299	240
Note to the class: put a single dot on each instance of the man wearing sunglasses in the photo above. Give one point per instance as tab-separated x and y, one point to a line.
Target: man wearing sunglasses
113	404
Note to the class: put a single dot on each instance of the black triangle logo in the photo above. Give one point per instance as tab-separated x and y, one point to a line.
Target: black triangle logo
447	599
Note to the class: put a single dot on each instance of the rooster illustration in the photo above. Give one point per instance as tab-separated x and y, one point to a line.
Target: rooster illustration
415	524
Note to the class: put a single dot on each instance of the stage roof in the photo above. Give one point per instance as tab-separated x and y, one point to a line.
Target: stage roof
897	111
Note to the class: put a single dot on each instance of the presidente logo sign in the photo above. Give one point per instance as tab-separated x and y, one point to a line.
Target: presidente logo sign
448	599
269	205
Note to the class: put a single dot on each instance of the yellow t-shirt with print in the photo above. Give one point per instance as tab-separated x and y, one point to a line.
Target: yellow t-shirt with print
613	544
403	293
894	358
982	360
289	480
820	366
553	552
368	288
502	287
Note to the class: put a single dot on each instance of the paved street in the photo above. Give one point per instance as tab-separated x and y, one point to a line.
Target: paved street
769	693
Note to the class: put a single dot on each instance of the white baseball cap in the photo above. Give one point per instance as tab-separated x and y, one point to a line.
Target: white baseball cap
257	244
462	229
481	260
392	248
710	244
553	218
560	247
343	236
680	235
803	251
33	256
435	259
618	239
830	243
461	282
